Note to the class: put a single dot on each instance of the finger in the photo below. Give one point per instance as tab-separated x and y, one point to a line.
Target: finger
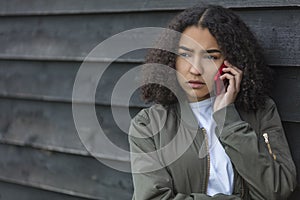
237	69
231	78
228	64
234	70
238	75
238	80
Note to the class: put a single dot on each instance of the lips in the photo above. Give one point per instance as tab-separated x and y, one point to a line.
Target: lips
196	84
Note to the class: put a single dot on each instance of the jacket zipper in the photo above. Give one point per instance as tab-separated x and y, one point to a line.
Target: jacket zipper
266	137
208	159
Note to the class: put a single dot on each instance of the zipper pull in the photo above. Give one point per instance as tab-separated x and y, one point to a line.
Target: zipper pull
266	137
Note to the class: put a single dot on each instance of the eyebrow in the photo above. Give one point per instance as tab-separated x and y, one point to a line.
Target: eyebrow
185	48
203	51
212	51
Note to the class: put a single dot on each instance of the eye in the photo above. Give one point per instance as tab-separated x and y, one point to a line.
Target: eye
185	55
211	57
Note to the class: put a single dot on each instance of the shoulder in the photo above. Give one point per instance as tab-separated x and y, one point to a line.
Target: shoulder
153	113
149	119
263	117
269	108
270	103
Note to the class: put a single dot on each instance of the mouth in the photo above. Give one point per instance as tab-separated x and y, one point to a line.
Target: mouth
196	84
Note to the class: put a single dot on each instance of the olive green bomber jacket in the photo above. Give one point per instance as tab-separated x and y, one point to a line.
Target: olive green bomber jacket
178	165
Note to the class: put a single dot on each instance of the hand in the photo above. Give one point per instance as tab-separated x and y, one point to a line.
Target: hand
234	75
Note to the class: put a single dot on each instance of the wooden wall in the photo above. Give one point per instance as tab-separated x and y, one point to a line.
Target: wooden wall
42	46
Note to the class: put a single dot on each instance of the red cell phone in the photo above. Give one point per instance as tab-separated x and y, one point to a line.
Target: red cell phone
219	84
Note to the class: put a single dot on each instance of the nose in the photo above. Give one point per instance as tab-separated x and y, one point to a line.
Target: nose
196	67
195	70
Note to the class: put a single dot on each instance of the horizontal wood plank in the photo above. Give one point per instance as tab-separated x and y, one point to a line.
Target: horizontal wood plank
67	174
48	7
31	128
29	155
50	126
53	81
41	154
73	37
11	191
286	92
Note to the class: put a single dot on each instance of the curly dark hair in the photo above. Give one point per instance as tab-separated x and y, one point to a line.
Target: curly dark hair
237	43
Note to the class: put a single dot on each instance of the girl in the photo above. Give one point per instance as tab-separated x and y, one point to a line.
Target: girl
238	149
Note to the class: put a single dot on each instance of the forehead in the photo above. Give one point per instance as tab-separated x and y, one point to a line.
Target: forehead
194	36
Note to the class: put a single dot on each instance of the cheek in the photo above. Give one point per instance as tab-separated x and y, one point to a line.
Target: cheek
177	66
209	78
180	78
181	68
181	64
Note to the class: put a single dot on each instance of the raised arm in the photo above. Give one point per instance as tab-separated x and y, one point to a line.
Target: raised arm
262	158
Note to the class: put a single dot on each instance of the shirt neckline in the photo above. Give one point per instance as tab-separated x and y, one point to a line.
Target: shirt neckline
204	103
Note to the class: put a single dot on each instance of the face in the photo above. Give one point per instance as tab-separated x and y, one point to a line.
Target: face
198	60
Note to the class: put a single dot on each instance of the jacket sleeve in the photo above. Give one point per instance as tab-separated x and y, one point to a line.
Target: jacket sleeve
265	163
150	178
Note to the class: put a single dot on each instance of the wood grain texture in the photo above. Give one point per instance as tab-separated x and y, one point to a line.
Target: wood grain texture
50	7
48	170
286	92
53	81
67	174
42	46
12	191
73	37
50	126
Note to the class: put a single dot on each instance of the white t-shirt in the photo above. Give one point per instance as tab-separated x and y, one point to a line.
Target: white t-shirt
221	171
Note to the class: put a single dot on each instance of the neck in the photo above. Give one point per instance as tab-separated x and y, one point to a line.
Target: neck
196	99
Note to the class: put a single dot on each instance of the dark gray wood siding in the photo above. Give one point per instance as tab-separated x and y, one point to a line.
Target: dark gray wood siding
43	44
